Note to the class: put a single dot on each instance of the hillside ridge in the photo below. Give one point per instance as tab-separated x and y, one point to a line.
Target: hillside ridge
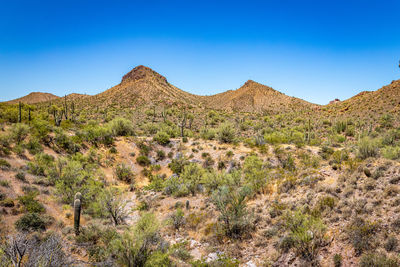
144	86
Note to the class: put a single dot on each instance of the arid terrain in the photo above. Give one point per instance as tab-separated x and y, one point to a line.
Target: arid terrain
146	174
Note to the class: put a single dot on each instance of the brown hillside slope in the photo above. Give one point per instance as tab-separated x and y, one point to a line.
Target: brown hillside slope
34	98
370	103
143	86
255	97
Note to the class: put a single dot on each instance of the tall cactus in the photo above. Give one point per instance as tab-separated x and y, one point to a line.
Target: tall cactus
164	114
77	215
77	212
65	107
78	195
29	114
20	112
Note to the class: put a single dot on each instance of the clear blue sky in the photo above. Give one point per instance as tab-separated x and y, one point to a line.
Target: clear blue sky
315	50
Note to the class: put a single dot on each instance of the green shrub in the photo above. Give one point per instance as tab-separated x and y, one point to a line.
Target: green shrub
366	148
30	222
361	234
340	127
232	205
4	183
34	146
19	150
337	260
143	160
8	203
156	183
96	134
386	121
326	202
275	138
21	176
286	160
205	155
41	130
76	175
161	138
226	133
30	203
286	243
338	138
208	133
350	130
97	240
4	144
124	173
297	138
112	204
390	152
177	165
307	233
160	155
135	246
121	127
64	142
255	173
191	176
159	259
391	243
376	260
41	164
19	132
143	148
326	152
4	164
177	219
172	185
339	156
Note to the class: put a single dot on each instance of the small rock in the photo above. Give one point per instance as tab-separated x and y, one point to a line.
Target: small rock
251	264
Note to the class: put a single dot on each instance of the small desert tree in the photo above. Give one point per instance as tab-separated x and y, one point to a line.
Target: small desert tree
191	176
307	234
231	203
20	250
19	132
226	133
255	173
16	248
134	246
114	205
121	127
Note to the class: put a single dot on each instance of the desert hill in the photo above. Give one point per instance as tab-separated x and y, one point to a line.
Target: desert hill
256	97
379	102
34	98
143	86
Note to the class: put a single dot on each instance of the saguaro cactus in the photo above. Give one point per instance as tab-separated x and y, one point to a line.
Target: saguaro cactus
20	112
164	114
77	212
77	215
29	114
65	107
78	195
